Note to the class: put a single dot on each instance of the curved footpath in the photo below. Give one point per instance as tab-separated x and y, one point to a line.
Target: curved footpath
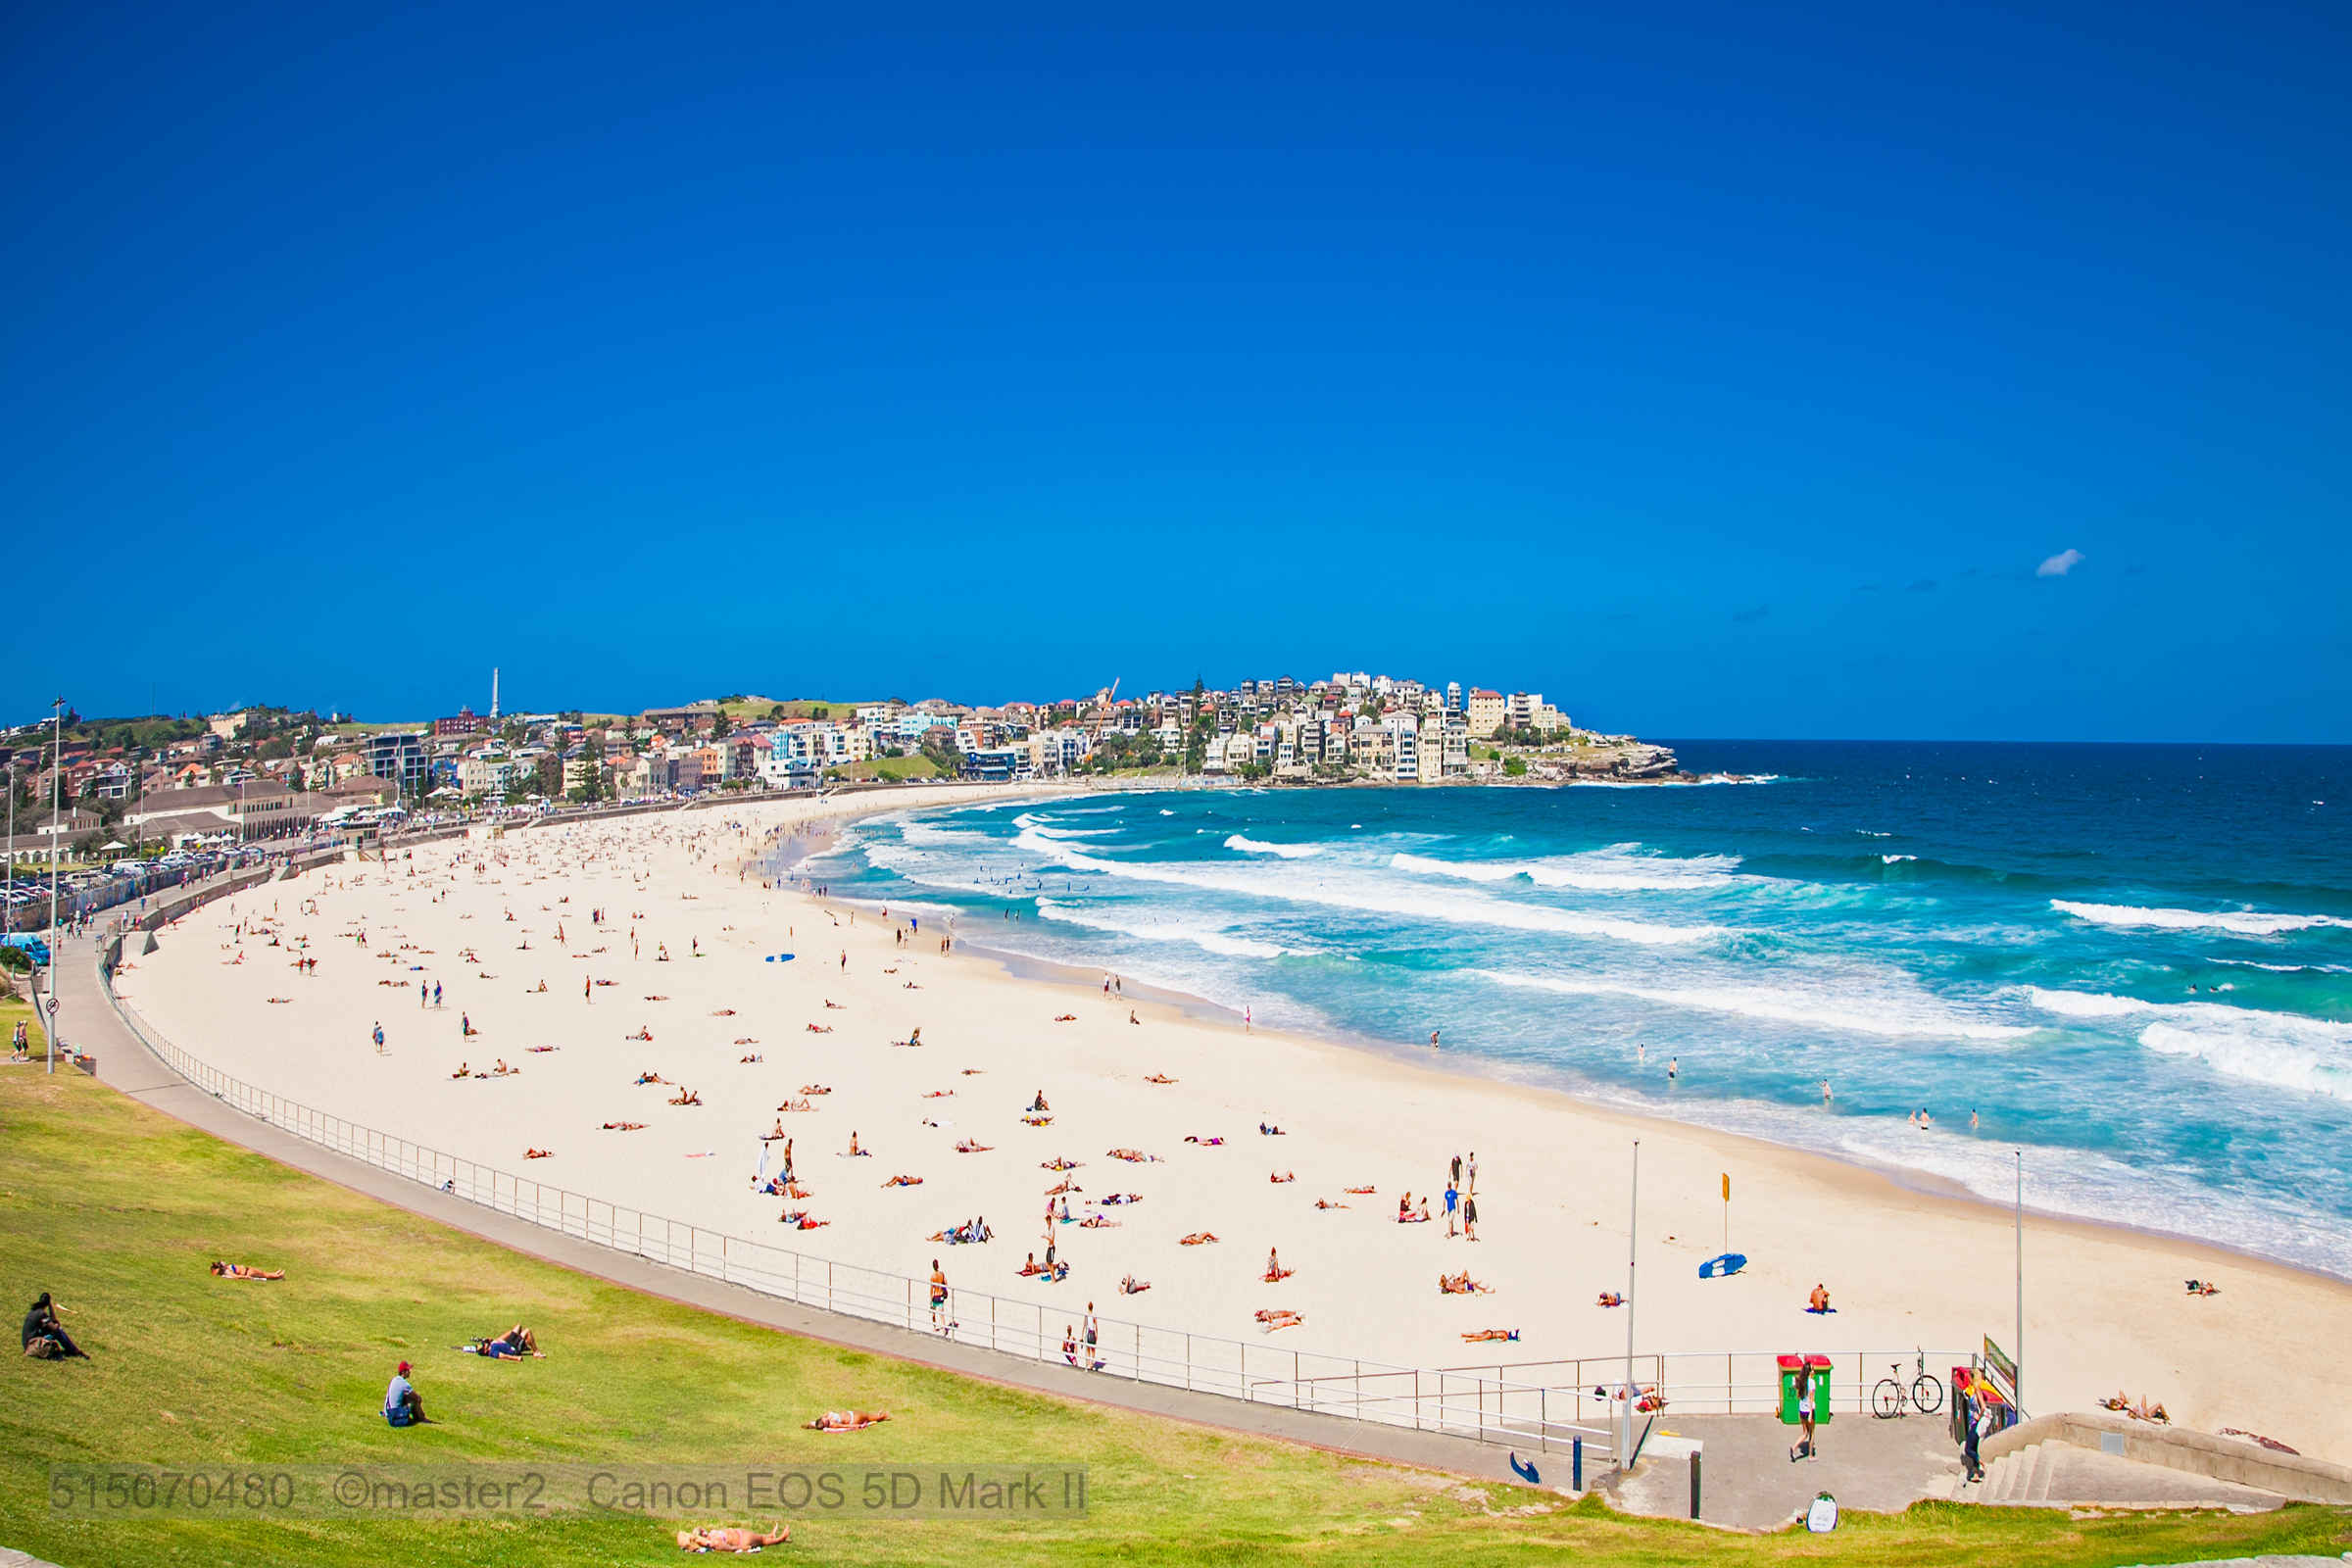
124	1063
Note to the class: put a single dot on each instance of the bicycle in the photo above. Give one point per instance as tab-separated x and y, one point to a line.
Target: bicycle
1892	1398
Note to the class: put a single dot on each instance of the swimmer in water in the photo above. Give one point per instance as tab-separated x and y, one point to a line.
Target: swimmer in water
1973	1123
1826	1095
1674	1068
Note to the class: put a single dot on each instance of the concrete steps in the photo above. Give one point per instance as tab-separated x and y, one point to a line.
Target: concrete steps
2059	1475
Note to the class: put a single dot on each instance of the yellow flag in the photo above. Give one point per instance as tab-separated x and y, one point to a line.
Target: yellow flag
1727	1186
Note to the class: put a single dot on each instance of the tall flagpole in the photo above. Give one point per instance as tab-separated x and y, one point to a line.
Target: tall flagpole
2018	1384
56	788
1625	1454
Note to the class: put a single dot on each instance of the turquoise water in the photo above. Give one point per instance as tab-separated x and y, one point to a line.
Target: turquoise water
2132	962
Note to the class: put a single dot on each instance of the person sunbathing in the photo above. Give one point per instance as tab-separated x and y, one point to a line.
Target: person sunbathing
730	1537
1158	1078
1360	1192
1065	1018
1062	1187
1197	1239
1031	1267
903	1180
846	1420
1609	1299
1459	1285
1818	1302
464	1071
968	1146
501	1070
855	1151
686	1097
800	1221
624	1126
1206	1143
1039	1104
1275	1272
1134	1156
1264	1131
1405	1216
1131	1286
1483	1336
650	1078
656	998
939	1093
512	1346
814	1088
723	1012
1097	1222
2203	1288
834	1007
240	1271
1039	1121
1124	1197
1325	1203
642	1033
541	1050
1279	1317
538	1153
1059	1163
819	1029
1286	1176
740	1060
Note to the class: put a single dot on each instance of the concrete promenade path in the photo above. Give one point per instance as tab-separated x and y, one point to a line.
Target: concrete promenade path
88	1018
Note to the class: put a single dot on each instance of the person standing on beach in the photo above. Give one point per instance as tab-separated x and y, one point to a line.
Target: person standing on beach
1470	1216
1433	1040
1454	1178
1452	1200
939	1297
379	1037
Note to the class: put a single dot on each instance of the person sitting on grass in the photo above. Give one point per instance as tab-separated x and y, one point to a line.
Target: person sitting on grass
240	1271
730	1537
404	1407
45	1337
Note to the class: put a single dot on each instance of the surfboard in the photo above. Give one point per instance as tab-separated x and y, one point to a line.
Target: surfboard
1727	1263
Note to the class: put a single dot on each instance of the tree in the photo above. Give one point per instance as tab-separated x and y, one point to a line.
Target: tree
1514	767
939	745
721	726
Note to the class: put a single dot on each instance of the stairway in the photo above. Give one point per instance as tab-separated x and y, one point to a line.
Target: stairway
2060	1475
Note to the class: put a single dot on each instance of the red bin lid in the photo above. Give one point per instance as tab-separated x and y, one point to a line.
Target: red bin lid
1791	1363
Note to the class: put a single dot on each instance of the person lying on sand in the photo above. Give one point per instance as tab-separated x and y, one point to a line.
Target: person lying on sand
1059	1163
642	1033
1206	1143
1134	1156
2203	1288
650	1078
240	1271
846	1420
814	1088
1279	1317
1097	1222
1131	1286
903	1180
1062	1187
1359	1191
1609	1299
538	1153
730	1537
464	1071
723	1012
1325	1203
1065	1018
1461	1285
686	1097
1158	1078
1197	1239
939	1093
968	1146
1124	1197
1266	1131
742	1060
1039	1121
800	1221
1275	1272
1483	1336
819	1029
834	1007
624	1127
541	1050
1286	1176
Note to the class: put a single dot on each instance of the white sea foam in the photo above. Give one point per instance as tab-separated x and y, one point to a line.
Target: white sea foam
1354	891
2237	922
1611	870
1893	1016
1215	939
1896	859
1287	852
2281	1048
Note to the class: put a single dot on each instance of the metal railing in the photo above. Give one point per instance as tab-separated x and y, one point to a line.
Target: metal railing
1467	1403
1716	1382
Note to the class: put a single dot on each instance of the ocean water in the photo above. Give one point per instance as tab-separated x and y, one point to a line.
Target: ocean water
2134	963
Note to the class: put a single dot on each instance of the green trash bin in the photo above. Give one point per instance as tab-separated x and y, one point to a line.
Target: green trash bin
1819	1368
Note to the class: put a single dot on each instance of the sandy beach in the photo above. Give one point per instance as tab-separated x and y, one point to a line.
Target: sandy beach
688	953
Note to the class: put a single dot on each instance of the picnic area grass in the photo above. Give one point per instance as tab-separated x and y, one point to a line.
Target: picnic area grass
118	1208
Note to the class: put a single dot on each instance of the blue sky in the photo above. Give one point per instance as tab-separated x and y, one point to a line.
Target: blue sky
1716	371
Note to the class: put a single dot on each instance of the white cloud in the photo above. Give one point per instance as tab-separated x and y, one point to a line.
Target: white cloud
2059	564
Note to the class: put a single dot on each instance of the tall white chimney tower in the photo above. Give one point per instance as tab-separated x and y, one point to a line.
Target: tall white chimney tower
494	692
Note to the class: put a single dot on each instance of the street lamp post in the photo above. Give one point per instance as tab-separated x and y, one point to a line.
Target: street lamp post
1625	1452
57	795
2018	1383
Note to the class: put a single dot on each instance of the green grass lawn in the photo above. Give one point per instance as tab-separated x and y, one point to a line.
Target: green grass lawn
117	1209
21	1008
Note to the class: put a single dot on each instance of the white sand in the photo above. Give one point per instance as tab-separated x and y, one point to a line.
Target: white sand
2106	1308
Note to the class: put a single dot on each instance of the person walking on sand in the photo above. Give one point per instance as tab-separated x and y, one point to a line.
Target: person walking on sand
1470	1217
1452	1201
379	1037
1472	1187
939	1297
1454	1177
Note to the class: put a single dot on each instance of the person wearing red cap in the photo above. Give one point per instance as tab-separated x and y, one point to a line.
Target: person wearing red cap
402	1405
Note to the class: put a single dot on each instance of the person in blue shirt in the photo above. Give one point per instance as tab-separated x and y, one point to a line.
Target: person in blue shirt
402	1405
